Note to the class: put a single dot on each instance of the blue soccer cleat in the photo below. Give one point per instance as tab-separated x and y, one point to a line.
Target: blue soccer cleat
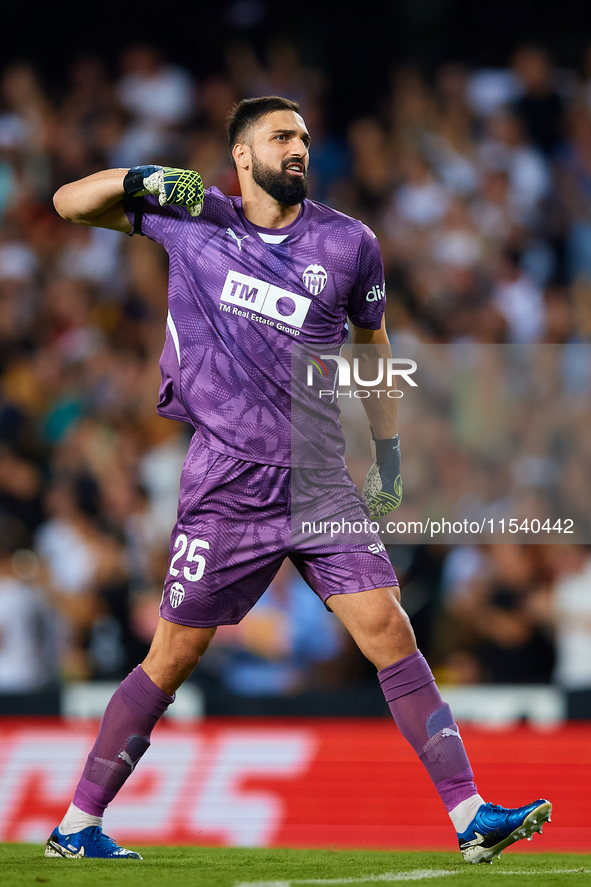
90	843
494	828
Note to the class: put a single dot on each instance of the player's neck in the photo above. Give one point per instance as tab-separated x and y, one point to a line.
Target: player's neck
263	210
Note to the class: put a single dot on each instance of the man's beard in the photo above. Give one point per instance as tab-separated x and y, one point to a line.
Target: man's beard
279	184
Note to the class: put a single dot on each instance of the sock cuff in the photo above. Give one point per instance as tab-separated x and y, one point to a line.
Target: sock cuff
405	676
458	788
141	690
90	798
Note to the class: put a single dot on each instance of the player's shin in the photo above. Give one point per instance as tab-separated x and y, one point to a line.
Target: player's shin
123	737
426	721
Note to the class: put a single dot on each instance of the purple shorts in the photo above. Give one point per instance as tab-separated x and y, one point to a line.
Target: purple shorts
234	531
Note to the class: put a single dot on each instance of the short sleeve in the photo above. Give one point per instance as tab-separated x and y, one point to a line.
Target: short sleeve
163	224
367	302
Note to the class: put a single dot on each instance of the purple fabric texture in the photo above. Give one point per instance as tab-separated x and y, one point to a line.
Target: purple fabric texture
426	721
234	530
123	737
239	306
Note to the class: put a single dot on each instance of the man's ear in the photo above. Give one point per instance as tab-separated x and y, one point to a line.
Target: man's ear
242	156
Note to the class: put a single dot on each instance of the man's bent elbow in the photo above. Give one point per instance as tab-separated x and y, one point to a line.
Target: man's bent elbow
63	205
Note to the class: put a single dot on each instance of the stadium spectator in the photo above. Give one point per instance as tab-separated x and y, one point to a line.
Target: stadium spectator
565	604
489	593
26	128
573	169
159	97
504	147
520	301
540	106
88	580
28	631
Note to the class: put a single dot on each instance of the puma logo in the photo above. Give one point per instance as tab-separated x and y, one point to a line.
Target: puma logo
125	757
447	731
236	238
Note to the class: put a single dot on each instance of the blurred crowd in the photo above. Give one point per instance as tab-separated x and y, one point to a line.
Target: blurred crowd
478	185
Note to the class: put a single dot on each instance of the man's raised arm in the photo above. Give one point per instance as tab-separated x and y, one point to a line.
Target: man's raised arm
95	200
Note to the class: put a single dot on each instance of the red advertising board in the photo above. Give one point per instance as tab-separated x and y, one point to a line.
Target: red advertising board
284	783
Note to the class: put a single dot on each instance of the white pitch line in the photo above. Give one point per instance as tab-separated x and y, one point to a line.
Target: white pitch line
420	875
545	872
386	876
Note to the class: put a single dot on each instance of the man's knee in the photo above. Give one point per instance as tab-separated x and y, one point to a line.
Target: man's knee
372	613
174	653
389	638
390	620
377	622
185	654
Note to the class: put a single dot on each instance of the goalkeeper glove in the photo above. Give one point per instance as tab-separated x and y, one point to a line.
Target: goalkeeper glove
382	490
174	187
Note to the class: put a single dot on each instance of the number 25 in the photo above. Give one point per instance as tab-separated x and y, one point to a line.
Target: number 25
181	543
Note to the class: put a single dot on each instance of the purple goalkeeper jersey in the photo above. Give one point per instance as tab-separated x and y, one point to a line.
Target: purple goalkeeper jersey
246	306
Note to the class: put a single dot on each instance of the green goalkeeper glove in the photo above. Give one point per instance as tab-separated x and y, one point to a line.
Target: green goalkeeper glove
382	490
174	187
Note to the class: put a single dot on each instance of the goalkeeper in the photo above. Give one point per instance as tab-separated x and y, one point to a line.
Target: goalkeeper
249	277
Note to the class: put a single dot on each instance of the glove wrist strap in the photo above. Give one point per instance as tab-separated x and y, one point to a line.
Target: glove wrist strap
380	448
134	181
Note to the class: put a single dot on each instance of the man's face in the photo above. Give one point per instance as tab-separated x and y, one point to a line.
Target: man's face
280	156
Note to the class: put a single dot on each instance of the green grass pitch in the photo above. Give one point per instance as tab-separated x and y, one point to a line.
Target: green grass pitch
223	867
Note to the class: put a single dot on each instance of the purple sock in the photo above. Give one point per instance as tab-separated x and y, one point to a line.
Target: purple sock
426	721
123	737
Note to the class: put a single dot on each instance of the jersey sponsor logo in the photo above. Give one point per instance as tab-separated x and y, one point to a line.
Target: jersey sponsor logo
376	547
376	293
177	595
265	298
315	279
236	238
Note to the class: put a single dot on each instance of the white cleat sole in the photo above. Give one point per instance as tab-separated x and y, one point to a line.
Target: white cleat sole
54	851
532	823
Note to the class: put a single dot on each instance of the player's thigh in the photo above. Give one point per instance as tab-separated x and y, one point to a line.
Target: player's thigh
377	623
342	570
361	589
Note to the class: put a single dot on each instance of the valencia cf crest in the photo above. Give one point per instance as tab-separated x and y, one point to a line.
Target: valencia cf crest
177	595
315	278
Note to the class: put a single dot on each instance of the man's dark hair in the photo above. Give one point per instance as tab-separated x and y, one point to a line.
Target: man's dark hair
248	111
